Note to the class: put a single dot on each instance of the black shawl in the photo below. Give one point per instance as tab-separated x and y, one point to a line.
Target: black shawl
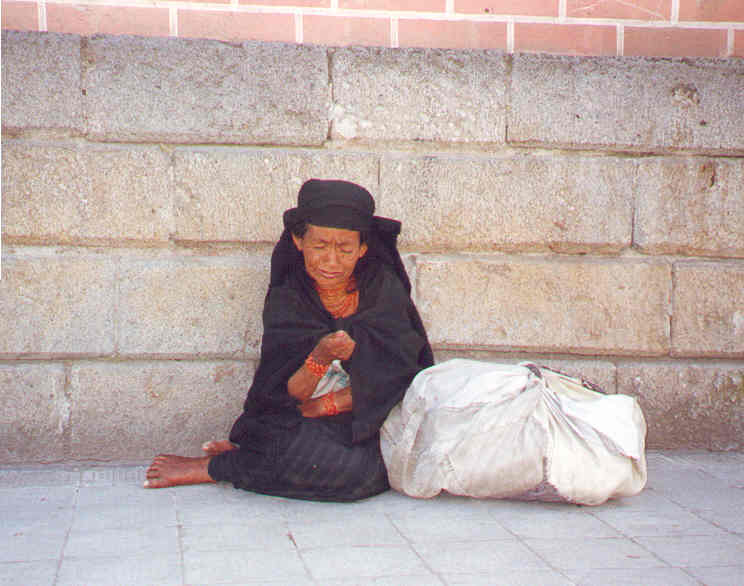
391	344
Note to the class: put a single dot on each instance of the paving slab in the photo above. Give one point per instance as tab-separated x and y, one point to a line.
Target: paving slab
33	545
223	513
557	525
697	550
41	572
718	576
362	562
657	523
123	516
89	523
625	577
218	567
250	536
589	553
511	577
731	520
397	580
481	557
364	530
129	542
437	529
163	569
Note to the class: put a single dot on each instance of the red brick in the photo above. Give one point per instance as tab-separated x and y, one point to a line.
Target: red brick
113	20
20	16
212	1
567	39
343	31
416	5
236	26
638	10
711	10
671	42
738	43
452	34
303	3
523	7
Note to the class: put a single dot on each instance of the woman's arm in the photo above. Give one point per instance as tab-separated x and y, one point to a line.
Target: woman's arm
303	382
337	345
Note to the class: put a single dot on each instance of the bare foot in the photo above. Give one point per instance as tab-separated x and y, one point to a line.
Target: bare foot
168	470
217	447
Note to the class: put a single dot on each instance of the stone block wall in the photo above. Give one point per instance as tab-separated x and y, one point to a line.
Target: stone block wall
586	213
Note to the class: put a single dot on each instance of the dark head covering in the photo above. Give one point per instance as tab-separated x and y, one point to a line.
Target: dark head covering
334	204
339	204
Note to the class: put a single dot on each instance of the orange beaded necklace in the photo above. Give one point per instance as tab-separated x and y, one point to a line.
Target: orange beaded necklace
340	301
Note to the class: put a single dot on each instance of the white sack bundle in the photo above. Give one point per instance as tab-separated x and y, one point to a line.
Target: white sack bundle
513	431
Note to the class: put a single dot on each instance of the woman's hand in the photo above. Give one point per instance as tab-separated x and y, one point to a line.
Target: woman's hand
336	346
313	408
319	407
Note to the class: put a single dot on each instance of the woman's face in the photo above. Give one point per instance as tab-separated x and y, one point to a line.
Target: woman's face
330	253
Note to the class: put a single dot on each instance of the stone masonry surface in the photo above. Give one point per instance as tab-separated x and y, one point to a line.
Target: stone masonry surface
221	193
583	213
637	104
591	208
136	409
71	193
692	206
685	404
204	91
704	322
41	82
385	94
53	305
504	304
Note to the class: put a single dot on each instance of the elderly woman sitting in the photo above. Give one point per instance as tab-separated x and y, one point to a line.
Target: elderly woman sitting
326	417
342	342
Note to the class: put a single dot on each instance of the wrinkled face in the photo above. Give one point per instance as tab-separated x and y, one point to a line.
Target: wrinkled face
330	253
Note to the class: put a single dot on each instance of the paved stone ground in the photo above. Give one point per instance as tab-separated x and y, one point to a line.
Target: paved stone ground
94	524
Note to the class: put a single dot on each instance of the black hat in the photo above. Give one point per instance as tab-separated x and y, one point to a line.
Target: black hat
334	204
338	204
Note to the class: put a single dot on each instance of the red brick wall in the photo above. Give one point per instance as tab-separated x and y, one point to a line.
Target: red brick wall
664	28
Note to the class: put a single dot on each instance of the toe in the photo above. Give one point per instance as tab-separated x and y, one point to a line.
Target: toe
154	483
